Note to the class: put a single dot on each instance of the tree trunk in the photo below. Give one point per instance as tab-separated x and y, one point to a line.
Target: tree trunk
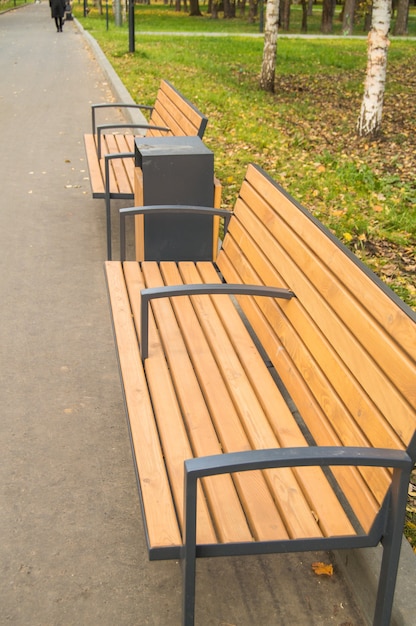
194	8
284	14
369	122
304	27
348	17
328	9
214	9
252	10
268	67
400	27
229	8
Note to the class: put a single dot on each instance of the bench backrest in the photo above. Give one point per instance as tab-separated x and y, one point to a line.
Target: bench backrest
345	347
172	110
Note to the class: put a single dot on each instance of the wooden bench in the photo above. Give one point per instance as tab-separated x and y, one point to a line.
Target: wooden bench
110	155
207	376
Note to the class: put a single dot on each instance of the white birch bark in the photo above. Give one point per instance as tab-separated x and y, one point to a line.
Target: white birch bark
268	68
369	122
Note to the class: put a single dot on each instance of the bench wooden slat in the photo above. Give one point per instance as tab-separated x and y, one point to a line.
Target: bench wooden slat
224	503
356	351
322	499
294	262
233	427
174	439
171	277
119	179
192	114
360	498
161	521
95	172
346	390
357	290
176	115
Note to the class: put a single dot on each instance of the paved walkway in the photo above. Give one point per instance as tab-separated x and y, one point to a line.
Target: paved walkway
72	551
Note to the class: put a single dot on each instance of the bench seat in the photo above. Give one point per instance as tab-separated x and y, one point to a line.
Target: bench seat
270	395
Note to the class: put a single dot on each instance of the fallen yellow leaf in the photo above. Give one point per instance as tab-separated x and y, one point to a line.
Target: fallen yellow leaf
322	569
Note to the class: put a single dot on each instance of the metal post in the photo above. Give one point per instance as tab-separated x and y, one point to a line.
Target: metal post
131	26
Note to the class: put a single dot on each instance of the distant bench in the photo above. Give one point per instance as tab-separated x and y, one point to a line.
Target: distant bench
110	155
206	385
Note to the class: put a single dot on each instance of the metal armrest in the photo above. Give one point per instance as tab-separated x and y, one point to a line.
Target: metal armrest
199	289
107	159
394	506
118	105
166	208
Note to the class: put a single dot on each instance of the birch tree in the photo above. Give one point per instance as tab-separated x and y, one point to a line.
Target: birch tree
369	121
268	67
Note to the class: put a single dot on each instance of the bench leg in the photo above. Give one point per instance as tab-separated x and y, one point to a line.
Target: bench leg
108	223
107	206
188	607
189	553
391	548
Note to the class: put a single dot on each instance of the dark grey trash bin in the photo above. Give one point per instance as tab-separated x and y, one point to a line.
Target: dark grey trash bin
175	170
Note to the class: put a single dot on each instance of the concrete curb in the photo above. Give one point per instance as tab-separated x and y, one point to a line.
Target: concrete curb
360	567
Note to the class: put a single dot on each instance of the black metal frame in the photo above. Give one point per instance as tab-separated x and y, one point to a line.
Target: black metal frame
108	195
199	289
387	527
115	105
179	209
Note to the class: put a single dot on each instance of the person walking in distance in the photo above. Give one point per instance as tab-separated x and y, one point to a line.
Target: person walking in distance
58	12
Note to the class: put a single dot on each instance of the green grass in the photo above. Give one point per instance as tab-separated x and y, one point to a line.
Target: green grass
5	5
303	135
159	17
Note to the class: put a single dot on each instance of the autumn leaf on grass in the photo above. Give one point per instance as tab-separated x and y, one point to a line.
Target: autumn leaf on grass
322	569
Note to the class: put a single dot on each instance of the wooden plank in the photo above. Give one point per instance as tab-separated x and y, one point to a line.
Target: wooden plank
175	444
177	115
316	489
234	408
161	521
224	503
362	502
290	319
95	174
346	327
216	226
372	299
120	177
138	219
188	110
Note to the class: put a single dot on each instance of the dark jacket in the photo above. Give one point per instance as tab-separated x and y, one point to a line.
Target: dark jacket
57	8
